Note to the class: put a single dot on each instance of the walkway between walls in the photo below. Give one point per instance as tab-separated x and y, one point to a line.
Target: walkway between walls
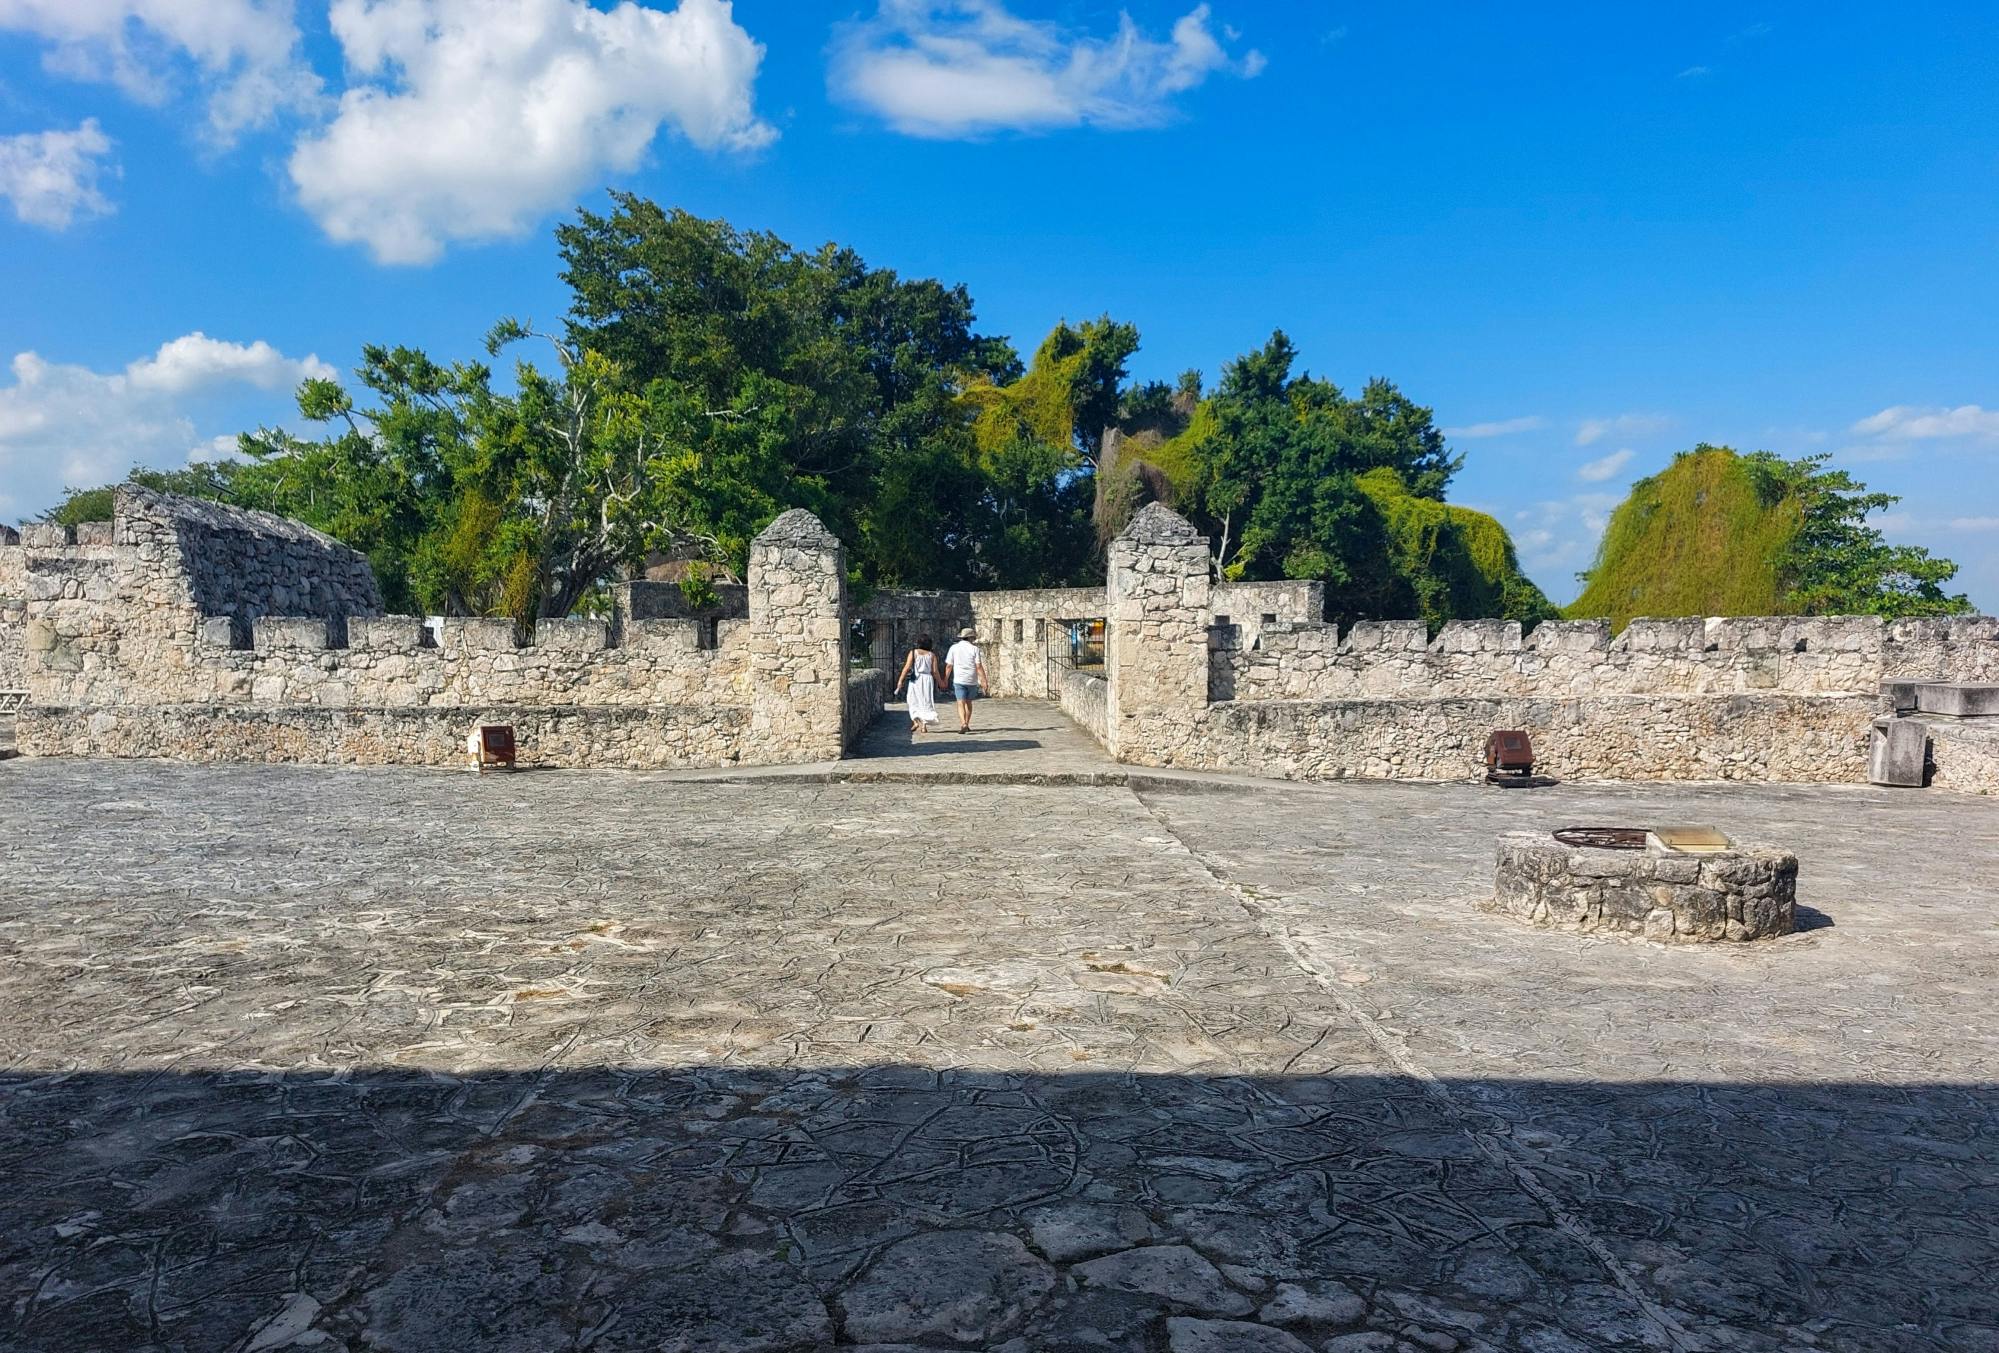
1011	742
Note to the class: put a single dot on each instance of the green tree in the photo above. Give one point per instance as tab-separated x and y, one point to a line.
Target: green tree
1718	533
798	379
1834	562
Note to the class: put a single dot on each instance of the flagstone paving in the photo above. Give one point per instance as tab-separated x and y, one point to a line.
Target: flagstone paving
386	1059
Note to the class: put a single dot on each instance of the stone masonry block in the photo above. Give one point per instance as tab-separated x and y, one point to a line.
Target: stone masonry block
1570	636
385	633
1744	633
1961	699
1388	636
46	535
1897	753
1646	635
217	631
664	636
288	634
1899	696
573	634
1478	636
472	635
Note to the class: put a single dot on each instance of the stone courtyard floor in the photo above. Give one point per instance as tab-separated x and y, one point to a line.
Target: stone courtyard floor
412	1060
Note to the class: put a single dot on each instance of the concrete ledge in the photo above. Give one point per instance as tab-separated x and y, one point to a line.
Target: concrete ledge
1960	699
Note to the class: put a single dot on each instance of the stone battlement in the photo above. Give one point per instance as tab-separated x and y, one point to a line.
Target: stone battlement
179	620
1844	655
397	661
191	630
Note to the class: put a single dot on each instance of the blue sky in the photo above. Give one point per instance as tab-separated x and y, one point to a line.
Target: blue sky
1586	235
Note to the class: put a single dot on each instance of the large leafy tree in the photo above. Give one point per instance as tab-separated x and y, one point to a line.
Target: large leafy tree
1834	562
1274	475
811	378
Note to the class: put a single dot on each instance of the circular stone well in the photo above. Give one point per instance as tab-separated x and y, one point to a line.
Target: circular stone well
1744	892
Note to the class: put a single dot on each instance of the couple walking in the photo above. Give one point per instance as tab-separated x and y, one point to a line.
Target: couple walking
964	671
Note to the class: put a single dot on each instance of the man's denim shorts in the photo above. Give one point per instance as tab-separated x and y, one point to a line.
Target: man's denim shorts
964	692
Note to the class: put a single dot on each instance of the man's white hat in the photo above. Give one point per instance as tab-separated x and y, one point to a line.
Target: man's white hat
968	633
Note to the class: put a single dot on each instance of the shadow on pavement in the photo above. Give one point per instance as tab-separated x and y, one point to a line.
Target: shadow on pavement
727	1208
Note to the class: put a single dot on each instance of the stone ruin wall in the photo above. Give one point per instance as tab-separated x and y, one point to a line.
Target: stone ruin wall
1085	698
1374	660
131	641
1784	699
1024	632
136	645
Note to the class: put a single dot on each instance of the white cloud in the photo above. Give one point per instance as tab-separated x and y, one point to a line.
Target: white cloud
64	425
1593	430
1557	537
953	68
1974	523
244	55
1596	471
1504	427
1692	73
51	177
1908	422
468	120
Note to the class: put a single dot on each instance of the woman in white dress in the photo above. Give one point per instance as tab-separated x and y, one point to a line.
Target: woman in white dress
919	674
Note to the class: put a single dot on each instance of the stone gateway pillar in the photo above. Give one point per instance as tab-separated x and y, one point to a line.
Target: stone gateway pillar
1156	637
797	666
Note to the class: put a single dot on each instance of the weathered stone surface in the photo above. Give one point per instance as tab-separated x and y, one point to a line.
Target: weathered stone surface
1323	1302
1078	1230
1898	752
1747	892
1186	1335
741	1304
951	1286
1960	699
1173	1273
319	1053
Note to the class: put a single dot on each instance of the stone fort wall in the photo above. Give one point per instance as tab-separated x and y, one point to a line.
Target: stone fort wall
134	638
134	642
1787	699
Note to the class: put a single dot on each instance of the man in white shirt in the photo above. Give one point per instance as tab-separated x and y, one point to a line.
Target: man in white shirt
965	669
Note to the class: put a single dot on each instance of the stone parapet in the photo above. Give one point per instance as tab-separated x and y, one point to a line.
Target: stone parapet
1084	698
641	737
1718	656
867	696
1790	738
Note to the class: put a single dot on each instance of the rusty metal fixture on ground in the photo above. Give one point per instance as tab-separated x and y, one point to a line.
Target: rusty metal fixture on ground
493	745
1603	838
1509	751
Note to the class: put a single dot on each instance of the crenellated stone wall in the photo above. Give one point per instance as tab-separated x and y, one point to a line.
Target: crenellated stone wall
1788	699
1839	655
133	643
131	640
